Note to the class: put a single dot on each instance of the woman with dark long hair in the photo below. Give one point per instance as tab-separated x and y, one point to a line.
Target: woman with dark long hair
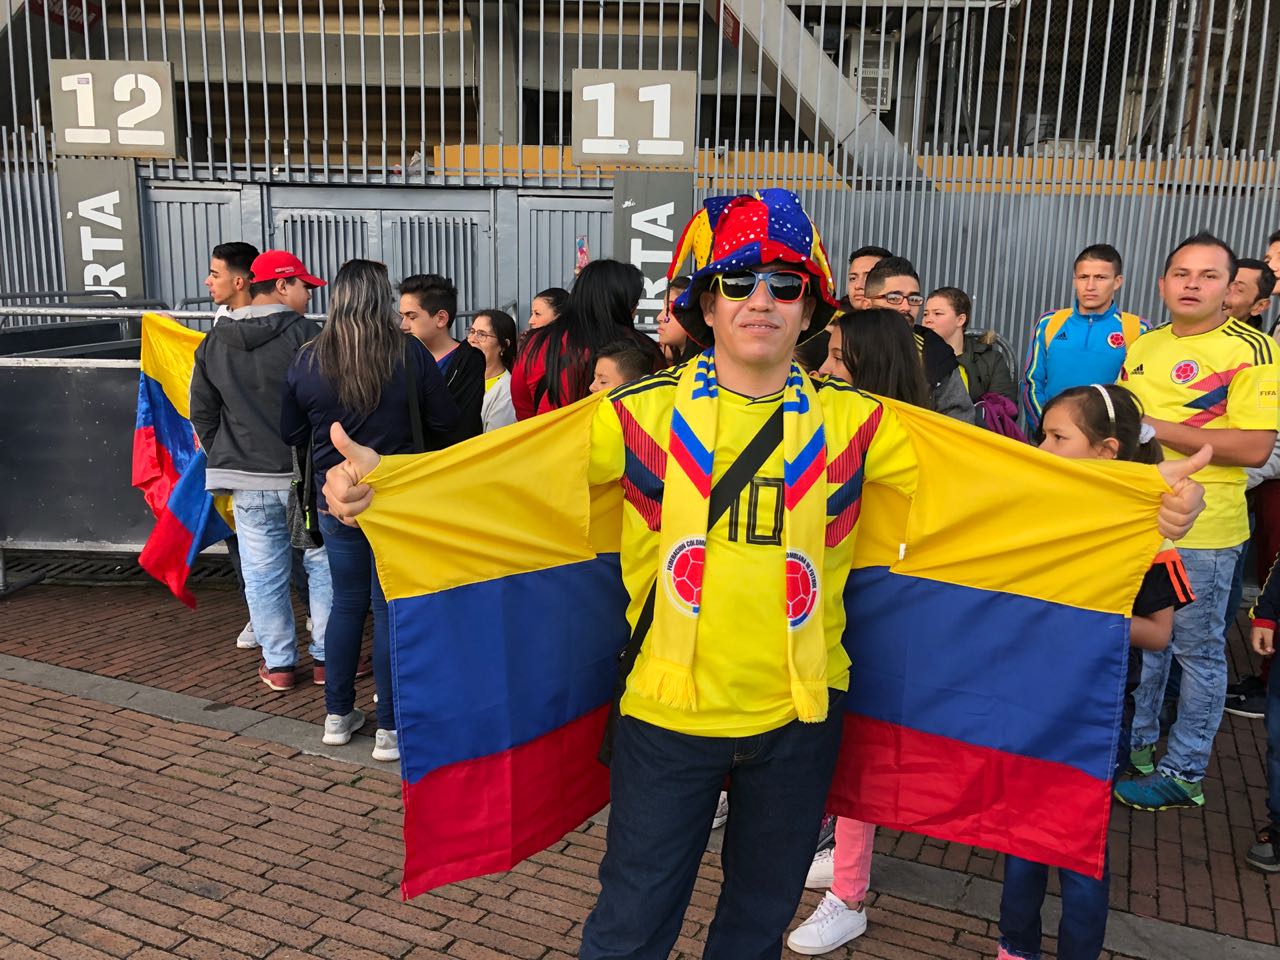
383	387
547	307
554	368
876	352
493	333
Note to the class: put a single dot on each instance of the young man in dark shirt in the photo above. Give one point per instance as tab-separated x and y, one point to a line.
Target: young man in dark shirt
428	305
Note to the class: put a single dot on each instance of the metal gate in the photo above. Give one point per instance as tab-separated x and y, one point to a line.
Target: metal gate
182	223
547	237
423	231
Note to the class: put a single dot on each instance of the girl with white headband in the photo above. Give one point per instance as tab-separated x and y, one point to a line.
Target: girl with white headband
1099	422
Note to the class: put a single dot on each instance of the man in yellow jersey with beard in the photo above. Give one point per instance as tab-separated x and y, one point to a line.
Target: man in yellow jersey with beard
1205	378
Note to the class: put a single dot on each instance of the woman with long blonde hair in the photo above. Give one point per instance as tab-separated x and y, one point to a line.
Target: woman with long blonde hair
386	391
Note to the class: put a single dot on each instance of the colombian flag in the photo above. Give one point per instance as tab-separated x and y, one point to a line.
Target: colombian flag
168	465
988	630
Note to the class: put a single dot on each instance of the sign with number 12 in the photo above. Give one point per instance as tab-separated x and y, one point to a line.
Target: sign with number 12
113	108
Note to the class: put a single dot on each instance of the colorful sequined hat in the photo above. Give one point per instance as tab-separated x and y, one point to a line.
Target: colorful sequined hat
748	231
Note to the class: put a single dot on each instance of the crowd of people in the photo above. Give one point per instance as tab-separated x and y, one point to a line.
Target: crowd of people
270	384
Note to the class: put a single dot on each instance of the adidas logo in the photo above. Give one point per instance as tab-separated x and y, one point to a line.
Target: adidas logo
1061	336
1136	370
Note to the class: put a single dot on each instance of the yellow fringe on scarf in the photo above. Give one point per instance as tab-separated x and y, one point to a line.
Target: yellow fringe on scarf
670	684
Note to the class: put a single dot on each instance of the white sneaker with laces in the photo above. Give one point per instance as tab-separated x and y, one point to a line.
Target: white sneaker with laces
338	729
722	811
831	925
247	639
822	872
386	746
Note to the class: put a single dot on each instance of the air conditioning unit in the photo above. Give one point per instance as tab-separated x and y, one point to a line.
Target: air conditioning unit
871	61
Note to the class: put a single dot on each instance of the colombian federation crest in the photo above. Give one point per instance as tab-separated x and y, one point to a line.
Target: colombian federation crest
1184	371
1116	339
802	588
682	574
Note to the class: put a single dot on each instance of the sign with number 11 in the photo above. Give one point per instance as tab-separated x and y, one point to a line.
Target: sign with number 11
634	117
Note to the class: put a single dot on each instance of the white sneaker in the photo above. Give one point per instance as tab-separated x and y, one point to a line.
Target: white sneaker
309	625
247	640
338	729
722	811
822	872
386	745
831	925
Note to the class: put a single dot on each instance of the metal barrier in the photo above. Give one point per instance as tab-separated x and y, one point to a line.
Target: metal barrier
66	438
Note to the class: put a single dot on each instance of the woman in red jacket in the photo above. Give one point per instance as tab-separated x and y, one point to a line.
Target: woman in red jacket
554	368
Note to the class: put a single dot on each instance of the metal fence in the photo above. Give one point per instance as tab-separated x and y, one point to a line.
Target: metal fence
987	140
478	92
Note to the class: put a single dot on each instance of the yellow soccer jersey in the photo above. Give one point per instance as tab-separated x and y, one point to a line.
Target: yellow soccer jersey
1223	379
740	664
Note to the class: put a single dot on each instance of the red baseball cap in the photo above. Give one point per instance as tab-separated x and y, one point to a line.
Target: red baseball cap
281	265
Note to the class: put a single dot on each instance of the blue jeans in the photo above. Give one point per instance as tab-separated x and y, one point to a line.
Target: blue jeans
355	589
1083	926
664	787
297	574
1084	910
266	559
1199	643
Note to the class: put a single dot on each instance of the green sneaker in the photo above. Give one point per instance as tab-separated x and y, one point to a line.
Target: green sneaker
1142	762
1159	792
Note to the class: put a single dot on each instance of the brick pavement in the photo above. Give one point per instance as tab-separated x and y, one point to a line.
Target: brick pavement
181	806
125	836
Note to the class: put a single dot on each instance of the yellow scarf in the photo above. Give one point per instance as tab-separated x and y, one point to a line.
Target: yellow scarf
665	674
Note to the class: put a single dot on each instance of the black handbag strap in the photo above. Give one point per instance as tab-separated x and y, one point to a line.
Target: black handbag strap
726	490
411	388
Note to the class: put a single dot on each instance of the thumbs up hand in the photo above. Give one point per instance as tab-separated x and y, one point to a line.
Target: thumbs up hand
346	495
1180	507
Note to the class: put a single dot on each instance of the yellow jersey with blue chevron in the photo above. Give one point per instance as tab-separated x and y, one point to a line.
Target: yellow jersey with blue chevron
1224	379
741	663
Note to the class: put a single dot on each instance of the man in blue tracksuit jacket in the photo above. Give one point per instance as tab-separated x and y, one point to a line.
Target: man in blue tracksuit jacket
1083	345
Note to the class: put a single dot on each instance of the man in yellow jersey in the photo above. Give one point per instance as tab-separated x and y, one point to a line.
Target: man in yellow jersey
734	557
1202	379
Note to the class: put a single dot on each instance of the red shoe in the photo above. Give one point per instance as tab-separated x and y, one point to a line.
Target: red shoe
281	678
364	668
317	674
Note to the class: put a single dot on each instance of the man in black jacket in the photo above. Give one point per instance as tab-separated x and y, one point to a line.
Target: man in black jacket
236	390
428	305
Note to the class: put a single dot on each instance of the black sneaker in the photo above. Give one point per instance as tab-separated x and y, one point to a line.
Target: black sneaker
827	834
1252	705
1246	686
1265	854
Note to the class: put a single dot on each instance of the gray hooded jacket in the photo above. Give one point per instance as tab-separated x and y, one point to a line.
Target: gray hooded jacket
236	390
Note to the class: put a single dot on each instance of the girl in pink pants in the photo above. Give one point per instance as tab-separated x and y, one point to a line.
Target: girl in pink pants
842	915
